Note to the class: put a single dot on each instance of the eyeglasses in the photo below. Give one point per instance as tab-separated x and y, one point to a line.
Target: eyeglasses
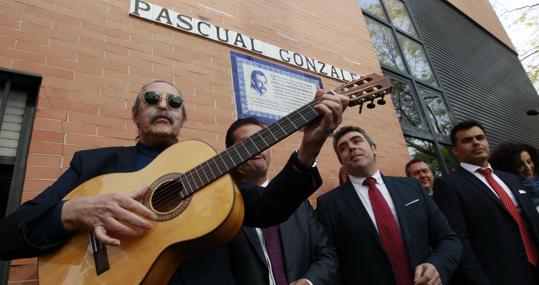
174	101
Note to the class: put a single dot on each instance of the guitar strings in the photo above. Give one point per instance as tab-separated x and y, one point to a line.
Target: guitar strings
175	186
172	187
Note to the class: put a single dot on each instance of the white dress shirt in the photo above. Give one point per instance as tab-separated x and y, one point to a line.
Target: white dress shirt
363	193
473	170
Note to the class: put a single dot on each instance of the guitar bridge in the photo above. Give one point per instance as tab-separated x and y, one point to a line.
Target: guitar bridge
99	252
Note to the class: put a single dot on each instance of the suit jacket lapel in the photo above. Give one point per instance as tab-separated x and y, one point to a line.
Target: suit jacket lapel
481	187
524	210
254	241
354	202
399	199
286	231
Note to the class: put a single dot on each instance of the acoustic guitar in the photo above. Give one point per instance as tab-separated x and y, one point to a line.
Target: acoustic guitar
198	206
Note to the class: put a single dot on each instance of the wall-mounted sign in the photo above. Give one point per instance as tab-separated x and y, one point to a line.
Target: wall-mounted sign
156	13
268	91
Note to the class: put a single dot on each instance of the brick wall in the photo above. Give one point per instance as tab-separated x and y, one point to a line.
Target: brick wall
94	57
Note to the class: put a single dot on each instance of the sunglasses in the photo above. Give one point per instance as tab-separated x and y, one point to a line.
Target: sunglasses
174	101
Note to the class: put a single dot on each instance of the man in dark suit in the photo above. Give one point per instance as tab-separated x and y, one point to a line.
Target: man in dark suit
296	251
492	216
46	222
386	230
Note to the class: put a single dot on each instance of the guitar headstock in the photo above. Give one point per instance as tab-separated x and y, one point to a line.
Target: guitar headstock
366	88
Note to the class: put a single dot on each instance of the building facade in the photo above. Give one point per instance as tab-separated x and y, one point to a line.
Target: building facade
70	71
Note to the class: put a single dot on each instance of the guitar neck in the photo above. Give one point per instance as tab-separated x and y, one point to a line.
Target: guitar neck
247	148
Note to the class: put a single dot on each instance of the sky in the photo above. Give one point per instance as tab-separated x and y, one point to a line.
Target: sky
525	37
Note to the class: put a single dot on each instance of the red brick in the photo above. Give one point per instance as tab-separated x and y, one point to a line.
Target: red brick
12	8
102	45
131	44
71	149
117	93
94	98
47	125
101	81
45	147
7	42
38	20
43	69
5	62
77	128
86	25
32	186
52	103
10	23
116	113
81	107
57	93
27	272
91	141
23	55
85	67
77	117
40	4
46	136
42	172
43	160
27	196
71	85
24	261
51	114
117	133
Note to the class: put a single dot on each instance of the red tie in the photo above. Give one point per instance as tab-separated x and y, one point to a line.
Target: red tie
275	254
390	235
529	246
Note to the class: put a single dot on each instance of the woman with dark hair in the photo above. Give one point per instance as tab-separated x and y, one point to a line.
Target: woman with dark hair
521	160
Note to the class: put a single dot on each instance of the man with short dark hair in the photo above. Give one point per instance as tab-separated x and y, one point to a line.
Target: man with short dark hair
491	214
259	255
422	171
49	220
386	230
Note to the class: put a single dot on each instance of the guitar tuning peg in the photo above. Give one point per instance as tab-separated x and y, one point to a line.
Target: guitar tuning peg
381	101
371	105
360	107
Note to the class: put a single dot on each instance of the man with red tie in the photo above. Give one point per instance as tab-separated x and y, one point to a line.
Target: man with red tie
386	230
492	215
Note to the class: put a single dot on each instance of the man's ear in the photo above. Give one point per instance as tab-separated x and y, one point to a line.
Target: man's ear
373	147
455	151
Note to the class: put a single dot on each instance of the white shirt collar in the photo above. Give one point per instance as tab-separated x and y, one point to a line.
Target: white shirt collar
359	180
265	183
472	167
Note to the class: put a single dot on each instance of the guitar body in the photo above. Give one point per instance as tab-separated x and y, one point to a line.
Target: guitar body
206	220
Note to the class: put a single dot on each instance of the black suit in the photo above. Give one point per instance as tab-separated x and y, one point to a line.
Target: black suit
211	268
306	251
493	248
362	258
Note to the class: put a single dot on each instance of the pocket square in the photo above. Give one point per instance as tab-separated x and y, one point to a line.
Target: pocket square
410	203
522	191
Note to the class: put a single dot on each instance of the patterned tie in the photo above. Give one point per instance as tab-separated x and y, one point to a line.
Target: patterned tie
275	252
390	235
529	246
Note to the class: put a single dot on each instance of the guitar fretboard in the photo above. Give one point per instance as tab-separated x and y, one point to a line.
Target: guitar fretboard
222	163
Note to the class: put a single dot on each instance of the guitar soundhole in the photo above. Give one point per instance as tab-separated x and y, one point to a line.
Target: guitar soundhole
167	197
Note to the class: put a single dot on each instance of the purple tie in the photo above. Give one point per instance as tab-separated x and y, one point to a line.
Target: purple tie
275	252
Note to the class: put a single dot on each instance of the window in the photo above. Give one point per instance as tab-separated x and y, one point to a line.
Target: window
18	94
417	96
